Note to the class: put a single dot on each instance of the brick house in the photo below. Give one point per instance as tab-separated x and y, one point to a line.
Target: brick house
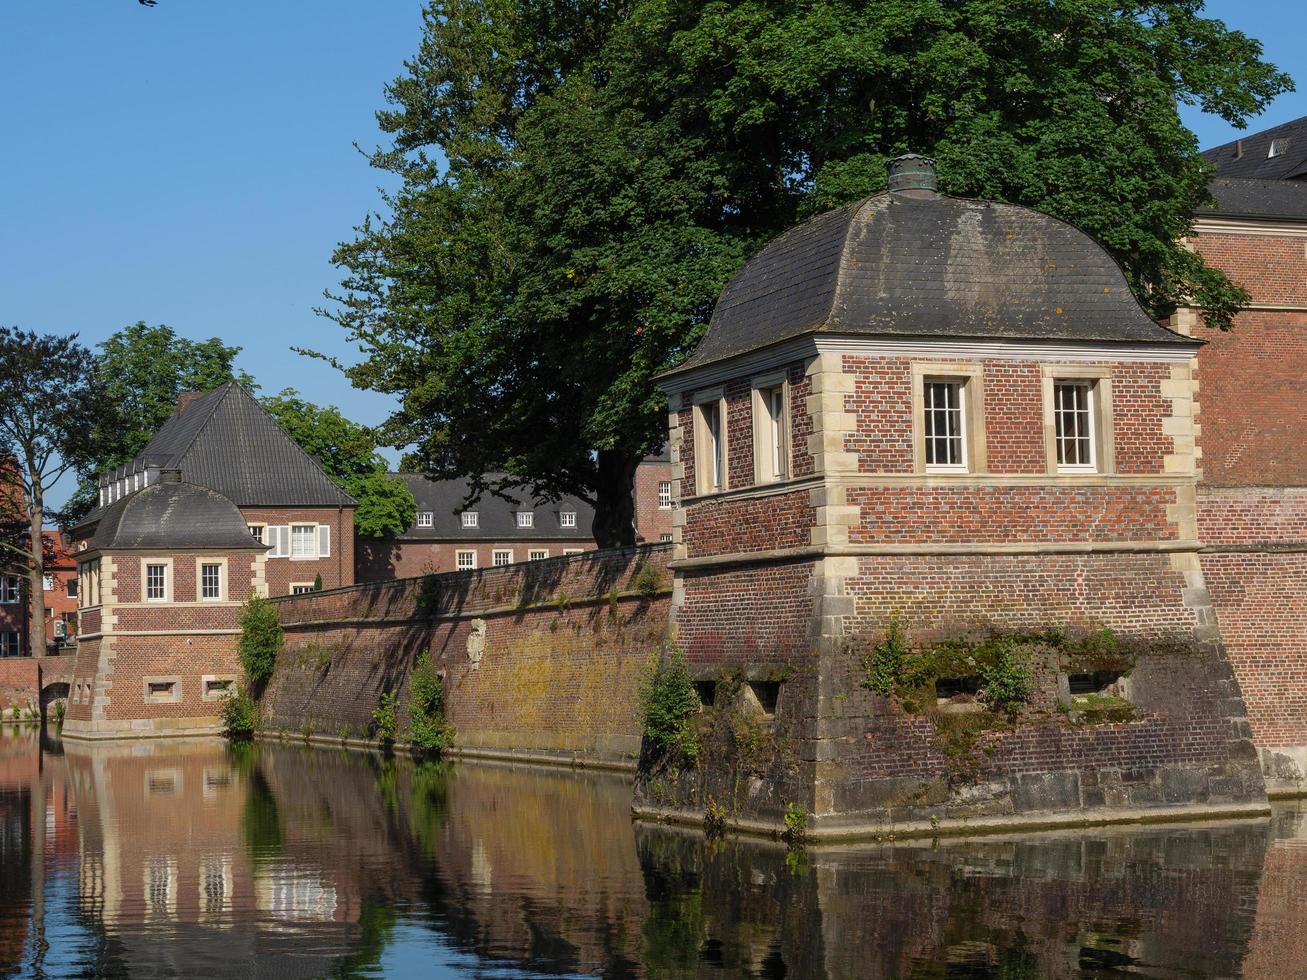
224	440
59	593
14	625
1252	494
450	534
164	571
953	414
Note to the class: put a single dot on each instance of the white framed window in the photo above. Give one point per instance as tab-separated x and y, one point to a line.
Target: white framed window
573	551
304	541
324	540
256	532
567	518
277	538
771	458
501	556
664	494
11	589
710	441
471	518
72	588
211	581
426	518
526	518
1073	426
301	588
944	423
156	582
538	554
465	560
47	582
665	536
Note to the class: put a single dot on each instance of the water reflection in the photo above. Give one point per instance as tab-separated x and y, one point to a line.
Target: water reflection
186	859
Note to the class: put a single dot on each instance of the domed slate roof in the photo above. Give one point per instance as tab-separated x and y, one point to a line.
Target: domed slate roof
172	516
924	265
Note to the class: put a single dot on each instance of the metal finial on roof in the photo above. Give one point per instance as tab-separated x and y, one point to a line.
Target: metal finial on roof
911	172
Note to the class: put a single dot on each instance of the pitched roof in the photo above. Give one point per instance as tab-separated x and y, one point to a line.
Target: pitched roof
926	265
496	517
1283	199
172	516
1249	157
227	441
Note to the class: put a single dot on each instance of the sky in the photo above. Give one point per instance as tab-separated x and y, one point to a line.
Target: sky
193	164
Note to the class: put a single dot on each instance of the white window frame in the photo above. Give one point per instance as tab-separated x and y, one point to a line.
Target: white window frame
567	518
954	403
471	518
771	427
665	537
573	551
526	518
711	448
47	582
537	554
277	540
313	538
166	565
498	553
971	403
426	518
300	588
1102	444
200	565
665	494
11	589
462	553
1069	444
262	532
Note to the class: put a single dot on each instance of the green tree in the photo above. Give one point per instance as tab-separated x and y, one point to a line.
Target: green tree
579	180
51	410
348	454
143	370
260	641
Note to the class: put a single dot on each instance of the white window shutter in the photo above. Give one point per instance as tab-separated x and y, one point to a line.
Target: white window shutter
324	540
279	539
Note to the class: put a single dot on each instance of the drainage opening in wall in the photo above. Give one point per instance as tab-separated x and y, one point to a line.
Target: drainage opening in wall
957	690
768	694
1094	682
707	691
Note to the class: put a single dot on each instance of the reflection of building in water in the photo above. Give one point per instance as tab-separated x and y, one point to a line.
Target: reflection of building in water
296	895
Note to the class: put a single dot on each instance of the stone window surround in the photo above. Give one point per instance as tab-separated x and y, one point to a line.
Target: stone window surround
458	567
306	586
497	553
702	449
174	697
167	579
1104	443
972	376
761	427
199	579
220	695
537	554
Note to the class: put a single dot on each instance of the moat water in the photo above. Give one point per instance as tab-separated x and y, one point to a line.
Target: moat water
204	860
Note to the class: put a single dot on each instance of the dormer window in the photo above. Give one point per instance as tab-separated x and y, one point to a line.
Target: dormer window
470	518
526	518
567	518
425	518
1277	148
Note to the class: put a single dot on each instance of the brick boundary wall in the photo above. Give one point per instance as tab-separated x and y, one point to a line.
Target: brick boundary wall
19	684
542	660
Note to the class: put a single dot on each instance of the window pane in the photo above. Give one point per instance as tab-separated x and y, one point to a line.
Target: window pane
154	581
210	581
943	423
503	558
302	544
1073	424
665	493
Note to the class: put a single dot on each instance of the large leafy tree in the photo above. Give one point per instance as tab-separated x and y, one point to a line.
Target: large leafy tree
143	370
51	409
348	454
579	180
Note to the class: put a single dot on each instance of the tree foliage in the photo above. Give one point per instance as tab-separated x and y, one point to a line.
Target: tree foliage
579	180
260	641
51	411
668	703
430	730
143	370
348	454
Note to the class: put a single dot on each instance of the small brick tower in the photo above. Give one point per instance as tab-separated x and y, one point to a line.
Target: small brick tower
925	441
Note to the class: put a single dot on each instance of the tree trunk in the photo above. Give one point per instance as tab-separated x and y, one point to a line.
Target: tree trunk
36	589
614	523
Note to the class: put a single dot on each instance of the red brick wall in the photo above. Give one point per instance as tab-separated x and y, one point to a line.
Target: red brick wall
558	674
336	570
1007	514
1273	268
726	526
754	614
19	682
380	560
651	521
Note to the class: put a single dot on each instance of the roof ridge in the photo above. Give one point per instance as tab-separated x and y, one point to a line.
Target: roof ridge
225	388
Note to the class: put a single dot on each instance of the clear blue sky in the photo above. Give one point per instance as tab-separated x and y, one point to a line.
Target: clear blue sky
193	163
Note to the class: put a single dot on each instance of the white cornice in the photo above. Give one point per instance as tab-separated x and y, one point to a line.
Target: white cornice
1268	227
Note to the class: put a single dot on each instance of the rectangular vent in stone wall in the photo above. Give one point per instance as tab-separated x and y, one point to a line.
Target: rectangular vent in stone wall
768	694
1094	682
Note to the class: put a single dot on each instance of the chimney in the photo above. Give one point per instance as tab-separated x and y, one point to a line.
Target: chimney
1238	149
912	174
170	476
185	398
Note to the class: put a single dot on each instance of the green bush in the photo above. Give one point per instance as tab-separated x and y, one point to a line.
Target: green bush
430	731
386	718
667	703
1007	681
260	641
648	582
239	719
796	824
885	665
317	582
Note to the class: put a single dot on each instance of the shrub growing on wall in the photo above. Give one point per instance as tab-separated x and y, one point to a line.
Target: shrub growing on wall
668	702
239	718
431	731
260	641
